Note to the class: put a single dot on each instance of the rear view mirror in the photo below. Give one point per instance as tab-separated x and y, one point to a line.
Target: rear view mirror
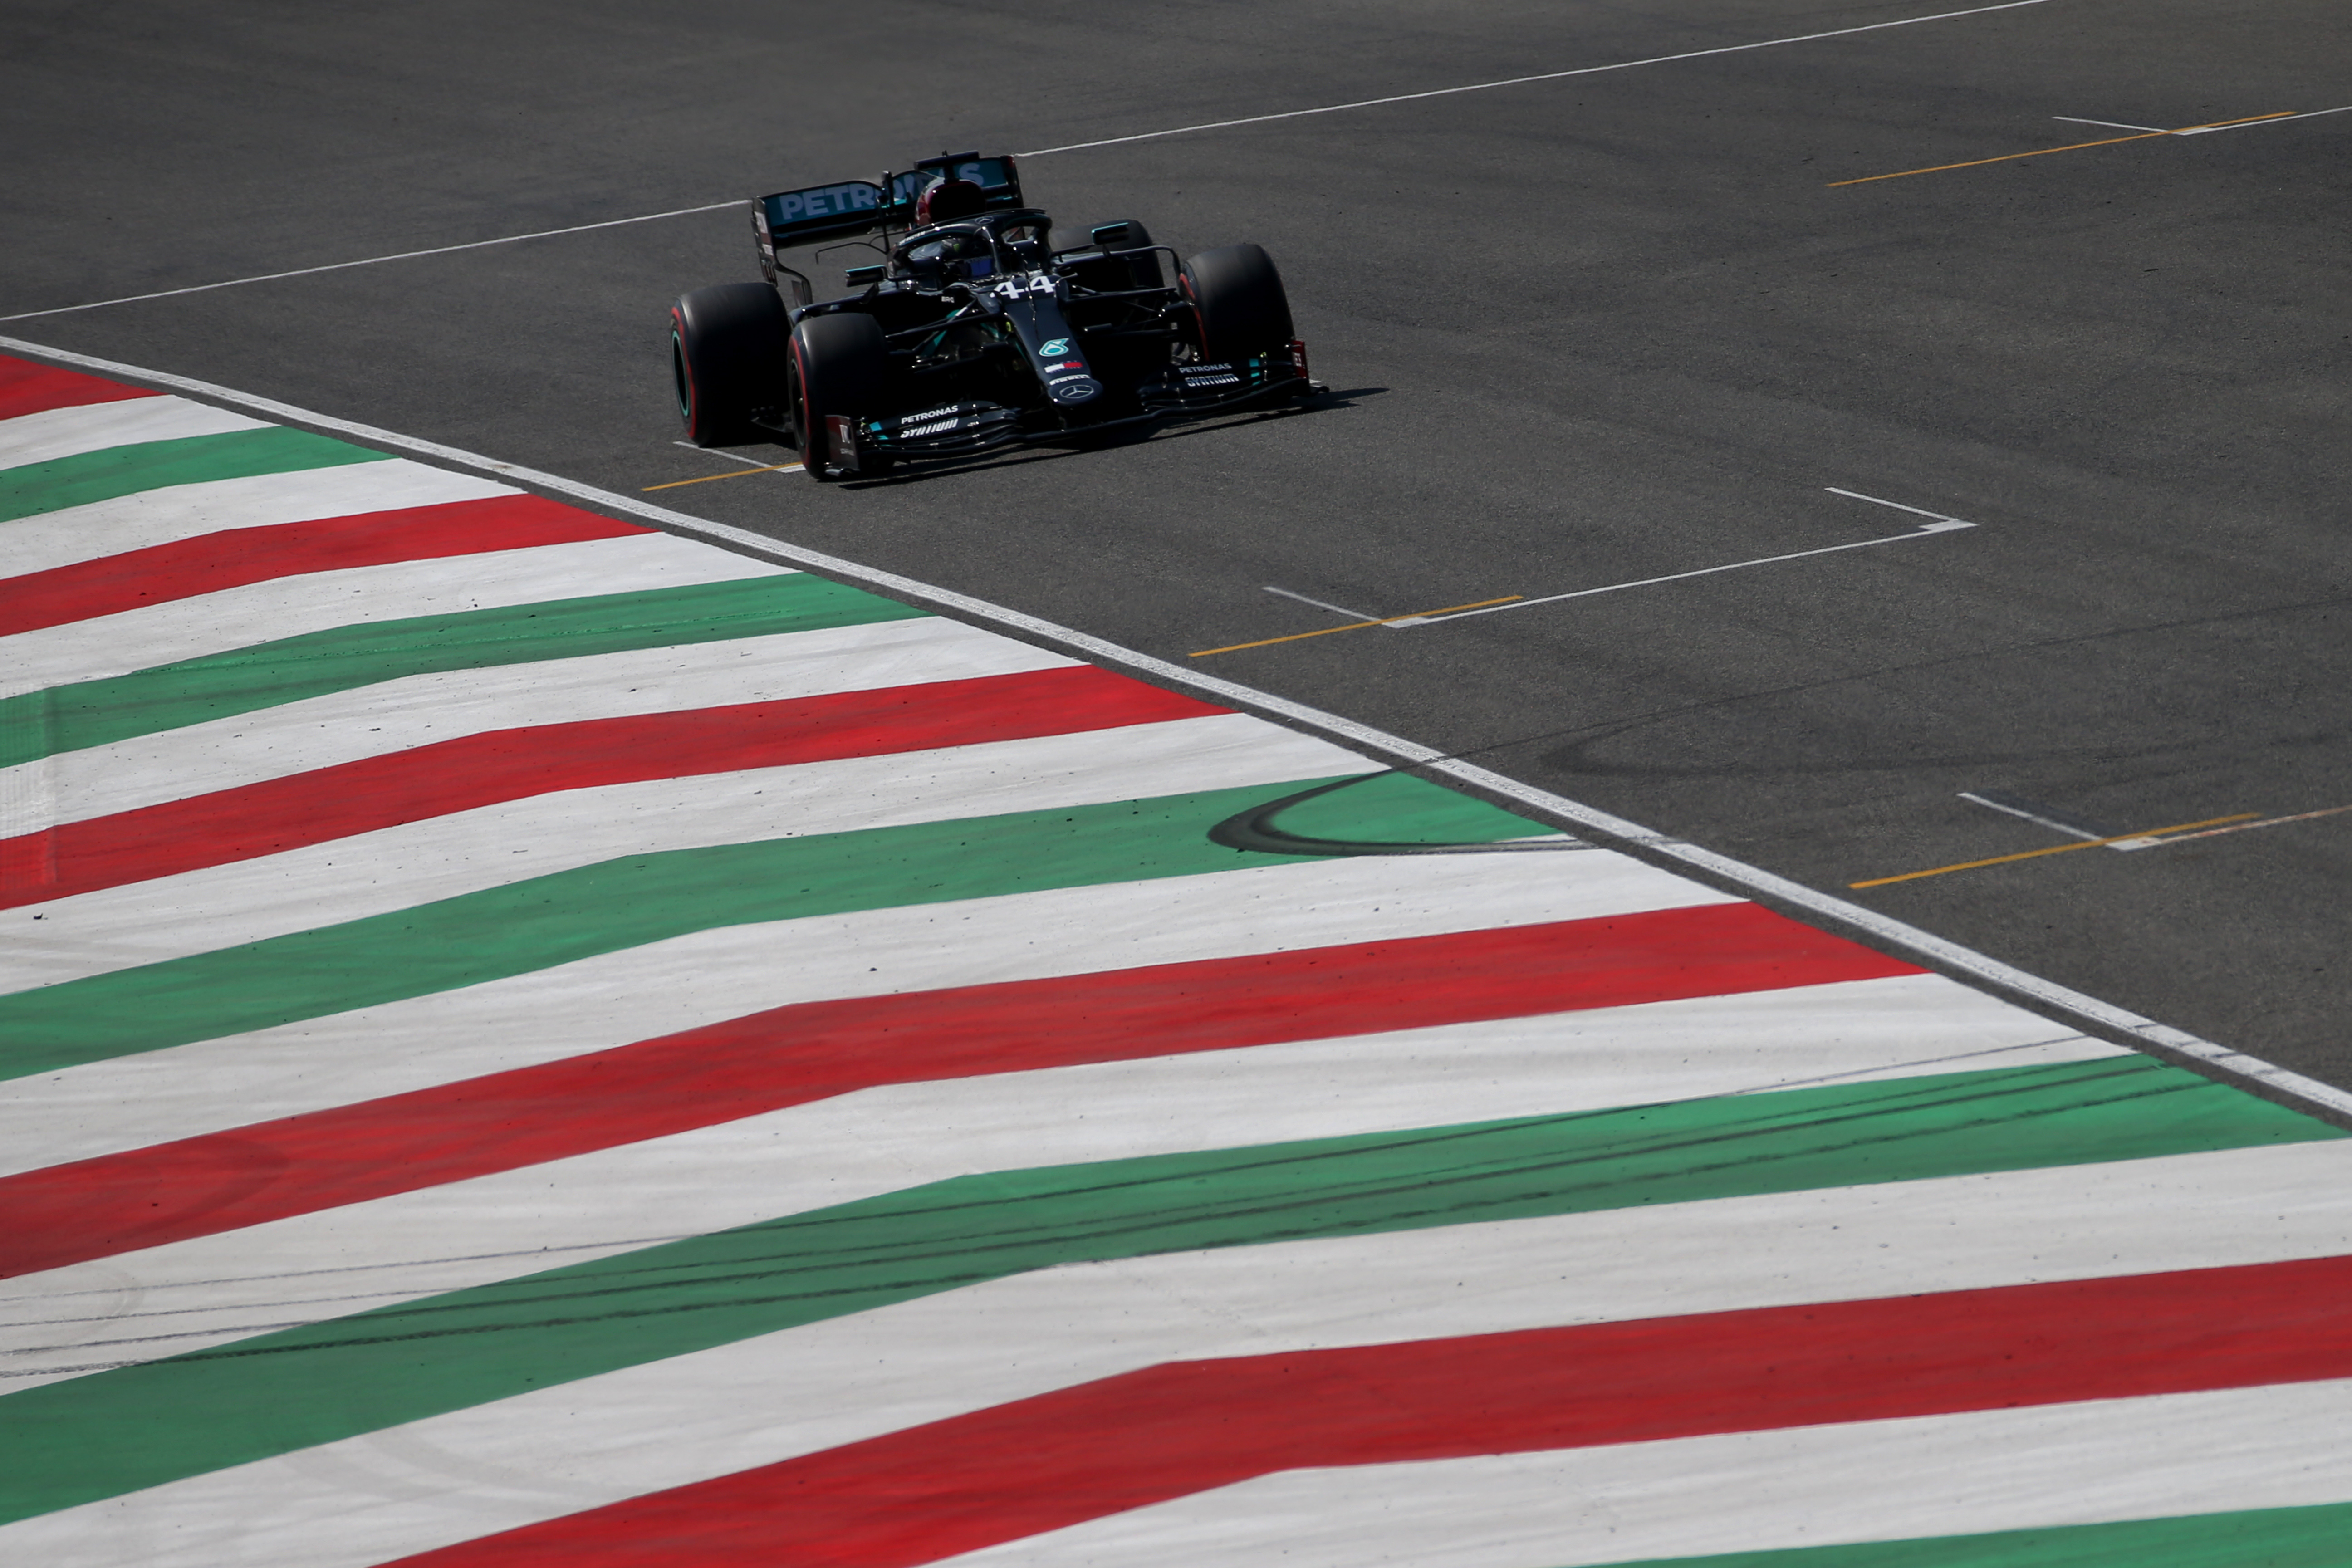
874	273
1111	234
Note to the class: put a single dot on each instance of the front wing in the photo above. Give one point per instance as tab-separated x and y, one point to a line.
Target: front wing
1180	391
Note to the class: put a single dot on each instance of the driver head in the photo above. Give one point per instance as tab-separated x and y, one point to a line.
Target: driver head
946	200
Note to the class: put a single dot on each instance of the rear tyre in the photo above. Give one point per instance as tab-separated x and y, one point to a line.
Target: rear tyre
839	366
727	347
1238	305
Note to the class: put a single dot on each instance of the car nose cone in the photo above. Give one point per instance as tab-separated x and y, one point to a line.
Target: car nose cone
1074	389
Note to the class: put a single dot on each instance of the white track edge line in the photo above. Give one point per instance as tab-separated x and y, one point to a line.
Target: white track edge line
1046	152
1523	80
373	261
1937	952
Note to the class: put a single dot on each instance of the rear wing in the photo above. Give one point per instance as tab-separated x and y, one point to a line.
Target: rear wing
855	207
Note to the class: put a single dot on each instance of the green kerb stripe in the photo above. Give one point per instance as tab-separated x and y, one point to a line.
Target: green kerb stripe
2319	1537
116	1431
638	899
114	471
265	675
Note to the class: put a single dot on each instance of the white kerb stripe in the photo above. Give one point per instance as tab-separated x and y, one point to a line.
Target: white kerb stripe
710	976
55	433
1893	933
285	607
186	1295
2039	1468
686	1418
391	716
176	513
416	863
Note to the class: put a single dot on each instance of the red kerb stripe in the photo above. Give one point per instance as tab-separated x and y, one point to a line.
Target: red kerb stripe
26	387
236	556
474	770
788	1056
1083	1453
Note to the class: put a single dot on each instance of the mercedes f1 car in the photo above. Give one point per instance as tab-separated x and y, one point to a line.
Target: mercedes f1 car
984	326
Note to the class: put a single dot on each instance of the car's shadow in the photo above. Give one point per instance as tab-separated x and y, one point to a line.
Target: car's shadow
1329	402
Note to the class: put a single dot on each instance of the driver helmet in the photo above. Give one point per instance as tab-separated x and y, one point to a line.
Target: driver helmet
944	201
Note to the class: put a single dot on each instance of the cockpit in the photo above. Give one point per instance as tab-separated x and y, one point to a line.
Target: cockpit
931	258
949	256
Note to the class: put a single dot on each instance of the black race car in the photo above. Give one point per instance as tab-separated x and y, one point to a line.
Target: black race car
986	326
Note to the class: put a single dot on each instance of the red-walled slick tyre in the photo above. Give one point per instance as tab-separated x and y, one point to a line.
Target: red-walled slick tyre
727	354
839	363
1237	302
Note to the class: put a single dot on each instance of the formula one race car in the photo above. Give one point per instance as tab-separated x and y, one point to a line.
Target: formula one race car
985	326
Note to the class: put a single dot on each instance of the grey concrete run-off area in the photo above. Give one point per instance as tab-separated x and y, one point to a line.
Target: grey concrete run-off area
1581	331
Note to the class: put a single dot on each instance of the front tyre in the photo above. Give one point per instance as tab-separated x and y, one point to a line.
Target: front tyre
839	366
1238	305
727	351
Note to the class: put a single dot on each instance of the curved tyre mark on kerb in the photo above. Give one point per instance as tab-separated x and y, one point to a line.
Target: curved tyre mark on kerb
1254	829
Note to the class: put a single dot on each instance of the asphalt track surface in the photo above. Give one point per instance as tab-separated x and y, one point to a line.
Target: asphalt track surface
1583	331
